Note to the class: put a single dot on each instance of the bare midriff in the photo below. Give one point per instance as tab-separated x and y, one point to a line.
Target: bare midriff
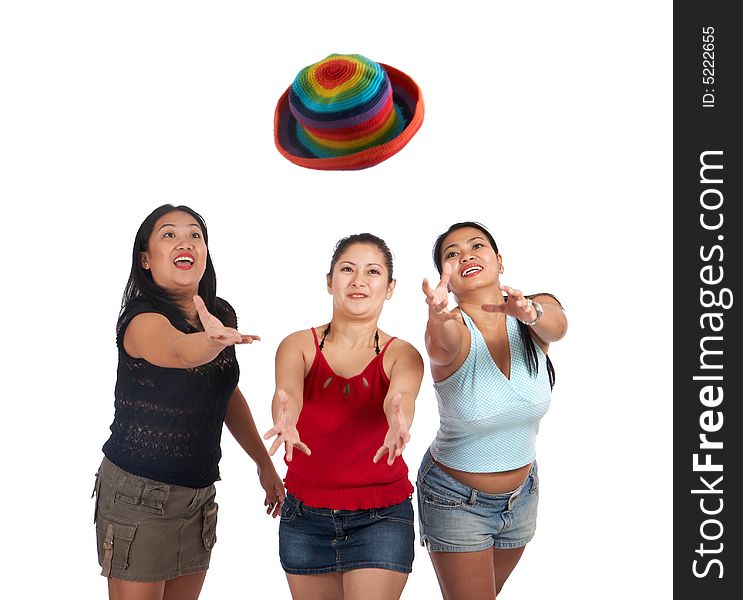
490	483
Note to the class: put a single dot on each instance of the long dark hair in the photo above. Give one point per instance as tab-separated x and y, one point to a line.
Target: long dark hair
530	348
141	285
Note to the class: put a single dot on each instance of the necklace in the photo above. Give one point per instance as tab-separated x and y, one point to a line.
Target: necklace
327	331
347	386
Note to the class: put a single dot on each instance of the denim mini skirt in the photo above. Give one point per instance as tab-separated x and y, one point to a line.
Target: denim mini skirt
323	540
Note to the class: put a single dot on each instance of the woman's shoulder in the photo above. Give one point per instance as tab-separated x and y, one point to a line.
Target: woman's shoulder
397	347
297	344
134	307
301	338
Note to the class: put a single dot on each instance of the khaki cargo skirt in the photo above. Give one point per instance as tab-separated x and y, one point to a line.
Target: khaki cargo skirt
151	531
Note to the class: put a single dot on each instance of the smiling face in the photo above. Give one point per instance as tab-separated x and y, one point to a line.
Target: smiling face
176	253
472	257
359	281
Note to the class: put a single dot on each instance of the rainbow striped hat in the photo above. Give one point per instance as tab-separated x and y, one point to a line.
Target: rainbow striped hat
346	112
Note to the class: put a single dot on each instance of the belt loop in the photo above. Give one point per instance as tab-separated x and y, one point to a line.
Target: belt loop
473	497
428	467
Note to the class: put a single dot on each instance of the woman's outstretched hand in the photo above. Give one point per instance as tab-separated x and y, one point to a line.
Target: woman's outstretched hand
397	435
516	305
218	333
285	430
438	298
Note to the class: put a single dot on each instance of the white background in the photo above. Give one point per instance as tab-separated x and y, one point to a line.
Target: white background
549	122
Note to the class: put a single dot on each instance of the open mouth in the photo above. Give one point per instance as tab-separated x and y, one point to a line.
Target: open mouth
184	261
357	296
470	271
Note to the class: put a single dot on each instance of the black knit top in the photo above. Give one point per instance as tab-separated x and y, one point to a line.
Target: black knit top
168	422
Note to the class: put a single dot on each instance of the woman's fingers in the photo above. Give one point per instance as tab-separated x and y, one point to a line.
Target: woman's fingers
288	446
440	307
274	509
392	453
397	435
443	285
218	332
275	495
513	293
445	276
280	492
200	306
303	447
443	282
285	431
379	454
226	334
275	446
427	289
515	302
206	318
229	336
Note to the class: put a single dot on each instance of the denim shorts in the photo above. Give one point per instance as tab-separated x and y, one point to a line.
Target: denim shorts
313	540
455	518
151	531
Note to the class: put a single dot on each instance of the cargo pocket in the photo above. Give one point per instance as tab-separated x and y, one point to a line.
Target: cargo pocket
209	525
147	495
114	545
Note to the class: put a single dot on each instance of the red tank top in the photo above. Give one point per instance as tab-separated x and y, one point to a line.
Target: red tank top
343	423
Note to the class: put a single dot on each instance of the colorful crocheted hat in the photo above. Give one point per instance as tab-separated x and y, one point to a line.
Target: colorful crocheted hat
346	112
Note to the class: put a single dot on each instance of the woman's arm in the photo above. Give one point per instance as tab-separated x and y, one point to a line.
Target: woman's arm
445	333
406	375
287	399
239	421
553	324
152	337
550	327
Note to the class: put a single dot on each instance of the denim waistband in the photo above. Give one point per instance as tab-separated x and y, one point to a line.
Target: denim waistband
473	494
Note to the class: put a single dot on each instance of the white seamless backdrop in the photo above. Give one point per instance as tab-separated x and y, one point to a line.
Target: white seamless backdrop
548	122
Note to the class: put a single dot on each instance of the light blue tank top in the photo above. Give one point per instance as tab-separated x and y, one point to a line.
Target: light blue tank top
489	423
